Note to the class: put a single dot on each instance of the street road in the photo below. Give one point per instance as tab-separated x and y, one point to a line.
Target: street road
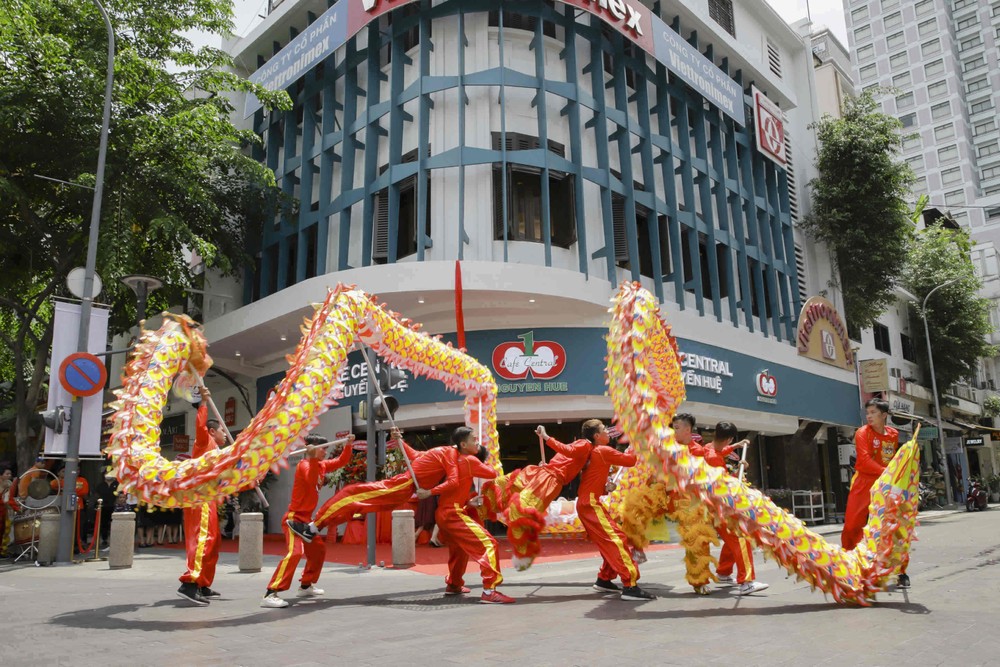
88	615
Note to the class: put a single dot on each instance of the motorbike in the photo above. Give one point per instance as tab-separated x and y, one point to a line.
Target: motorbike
976	500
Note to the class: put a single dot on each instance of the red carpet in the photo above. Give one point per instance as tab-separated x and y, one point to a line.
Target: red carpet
432	560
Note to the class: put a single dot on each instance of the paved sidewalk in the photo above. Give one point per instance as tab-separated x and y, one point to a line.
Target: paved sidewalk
89	615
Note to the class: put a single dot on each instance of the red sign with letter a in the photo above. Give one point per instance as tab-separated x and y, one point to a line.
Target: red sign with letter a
230	413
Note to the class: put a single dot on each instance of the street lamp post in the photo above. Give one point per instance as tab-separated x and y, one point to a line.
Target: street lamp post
142	286
937	401
64	553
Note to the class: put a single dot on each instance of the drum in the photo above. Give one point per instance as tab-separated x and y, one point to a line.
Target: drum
22	528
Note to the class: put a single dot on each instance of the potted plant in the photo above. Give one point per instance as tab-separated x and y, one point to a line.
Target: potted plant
993	484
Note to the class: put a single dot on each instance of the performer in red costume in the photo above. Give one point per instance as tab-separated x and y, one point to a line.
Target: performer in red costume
735	550
601	528
201	524
429	466
309	475
460	529
875	444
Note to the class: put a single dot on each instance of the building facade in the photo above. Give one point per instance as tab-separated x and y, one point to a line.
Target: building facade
553	151
938	61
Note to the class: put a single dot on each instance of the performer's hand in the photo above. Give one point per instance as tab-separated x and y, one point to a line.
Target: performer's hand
423	493
541	432
610	487
395	434
744	444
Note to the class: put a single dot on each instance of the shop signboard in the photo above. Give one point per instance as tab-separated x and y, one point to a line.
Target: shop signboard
822	335
874	375
631	18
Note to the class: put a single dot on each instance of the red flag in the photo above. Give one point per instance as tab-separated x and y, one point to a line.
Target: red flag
459	315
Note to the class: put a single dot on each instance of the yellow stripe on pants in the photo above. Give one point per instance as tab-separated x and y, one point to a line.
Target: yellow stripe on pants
484	538
199	551
626	557
359	498
279	574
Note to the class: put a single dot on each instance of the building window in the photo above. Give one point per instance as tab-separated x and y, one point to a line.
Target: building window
407	216
869	72
866	53
904	101
860	14
962	4
862	34
643	236
895	40
937	89
721	11
989	149
933	68
515	21
889	4
908	120
911	142
906	347
892	20
941	111
970	43
630	50
916	162
954	198
924	6
722	261
975	63
967	23
882	342
979	84
927	28
943	132
902	81
984	127
524	197
930	48
980	107
919	185
951	176
410	37
947	154
899	61
990	172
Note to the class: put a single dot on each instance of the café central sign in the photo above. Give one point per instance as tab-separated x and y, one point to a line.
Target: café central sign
822	335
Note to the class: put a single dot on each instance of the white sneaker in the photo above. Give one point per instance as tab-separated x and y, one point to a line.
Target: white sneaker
753	587
727	580
309	592
273	602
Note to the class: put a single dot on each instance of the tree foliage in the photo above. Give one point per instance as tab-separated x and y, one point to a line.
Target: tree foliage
957	318
859	210
179	177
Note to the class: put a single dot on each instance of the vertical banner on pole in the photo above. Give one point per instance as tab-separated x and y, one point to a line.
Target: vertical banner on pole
64	343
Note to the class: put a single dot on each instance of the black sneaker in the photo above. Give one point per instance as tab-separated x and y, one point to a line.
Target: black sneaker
903	581
208	593
605	586
636	593
301	529
190	593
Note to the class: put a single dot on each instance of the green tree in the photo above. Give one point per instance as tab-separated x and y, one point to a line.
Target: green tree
859	210
957	318
179	176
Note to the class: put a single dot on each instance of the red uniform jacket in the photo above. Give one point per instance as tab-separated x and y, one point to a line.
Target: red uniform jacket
595	475
713	456
874	450
458	487
203	442
569	459
430	468
309	473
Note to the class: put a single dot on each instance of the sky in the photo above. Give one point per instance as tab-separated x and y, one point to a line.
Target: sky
829	13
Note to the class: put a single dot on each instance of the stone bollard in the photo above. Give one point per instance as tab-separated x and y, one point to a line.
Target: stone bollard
251	541
122	540
404	546
48	538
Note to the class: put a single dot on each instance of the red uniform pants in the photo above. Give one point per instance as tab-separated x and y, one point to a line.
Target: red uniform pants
610	541
364	498
201	538
315	552
735	551
856	514
466	538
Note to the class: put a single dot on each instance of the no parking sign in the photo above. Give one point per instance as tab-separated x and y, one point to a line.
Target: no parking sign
82	374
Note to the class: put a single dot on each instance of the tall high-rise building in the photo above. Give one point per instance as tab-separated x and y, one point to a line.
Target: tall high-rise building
940	57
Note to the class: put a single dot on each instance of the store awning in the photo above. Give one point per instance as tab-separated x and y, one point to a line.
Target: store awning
972	427
956	426
917	418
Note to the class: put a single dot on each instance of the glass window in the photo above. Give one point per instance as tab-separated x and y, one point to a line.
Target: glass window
951	176
882	343
930	48
933	68
904	101
919	185
889	4
989	149
941	111
937	89
924	6
979	84
908	120
967	23
869	72
991	172
954	198
863	33
916	162
971	43
975	63
911	142
984	127
860	14
947	154
980	107
906	348
866	53
942	132
895	40
892	20
902	80
899	61
927	28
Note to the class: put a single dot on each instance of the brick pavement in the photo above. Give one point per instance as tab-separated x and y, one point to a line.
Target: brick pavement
88	615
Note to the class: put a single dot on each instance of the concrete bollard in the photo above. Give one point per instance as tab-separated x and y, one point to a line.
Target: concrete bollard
251	541
122	540
404	546
48	538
